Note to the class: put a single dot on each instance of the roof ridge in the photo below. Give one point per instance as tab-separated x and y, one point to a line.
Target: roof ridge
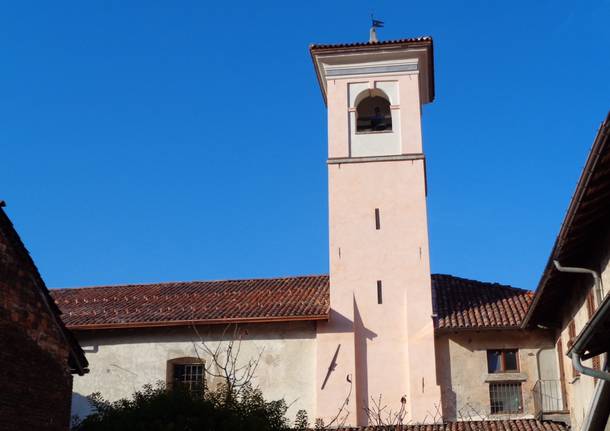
491	283
424	38
161	283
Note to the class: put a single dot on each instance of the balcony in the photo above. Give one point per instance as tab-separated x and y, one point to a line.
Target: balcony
549	401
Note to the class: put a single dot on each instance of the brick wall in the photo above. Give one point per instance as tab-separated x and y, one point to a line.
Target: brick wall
35	383
36	389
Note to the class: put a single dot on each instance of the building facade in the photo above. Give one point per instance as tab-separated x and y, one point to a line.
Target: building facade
379	331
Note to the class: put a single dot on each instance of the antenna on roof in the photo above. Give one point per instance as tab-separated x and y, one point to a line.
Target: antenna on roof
375	24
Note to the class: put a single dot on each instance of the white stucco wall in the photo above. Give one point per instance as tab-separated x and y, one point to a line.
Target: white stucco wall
122	361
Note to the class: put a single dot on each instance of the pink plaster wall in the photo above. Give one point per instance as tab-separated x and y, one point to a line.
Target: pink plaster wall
387	349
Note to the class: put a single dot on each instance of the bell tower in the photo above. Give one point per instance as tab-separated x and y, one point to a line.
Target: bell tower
379	340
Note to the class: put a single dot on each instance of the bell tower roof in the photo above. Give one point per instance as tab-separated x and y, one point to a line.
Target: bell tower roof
391	57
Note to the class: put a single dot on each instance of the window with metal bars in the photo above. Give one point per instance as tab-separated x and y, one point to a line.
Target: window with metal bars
505	398
189	373
190	376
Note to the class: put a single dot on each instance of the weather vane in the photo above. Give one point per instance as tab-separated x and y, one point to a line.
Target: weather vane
375	24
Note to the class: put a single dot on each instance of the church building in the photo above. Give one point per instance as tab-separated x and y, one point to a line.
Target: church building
379	329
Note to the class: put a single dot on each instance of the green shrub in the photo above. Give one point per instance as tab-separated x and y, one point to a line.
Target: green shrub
162	409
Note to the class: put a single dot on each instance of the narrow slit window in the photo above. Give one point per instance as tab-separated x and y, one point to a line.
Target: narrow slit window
379	293
377	219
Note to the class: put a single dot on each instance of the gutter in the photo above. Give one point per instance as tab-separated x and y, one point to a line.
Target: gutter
585	335
578	350
580	345
597	415
599	374
596	278
171	323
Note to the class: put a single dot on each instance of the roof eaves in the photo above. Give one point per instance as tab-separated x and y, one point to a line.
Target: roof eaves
424	41
601	139
175	323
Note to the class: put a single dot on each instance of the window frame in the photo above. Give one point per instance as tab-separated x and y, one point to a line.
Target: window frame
170	378
503	369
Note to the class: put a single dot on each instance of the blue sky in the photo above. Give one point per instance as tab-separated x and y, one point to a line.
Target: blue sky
155	141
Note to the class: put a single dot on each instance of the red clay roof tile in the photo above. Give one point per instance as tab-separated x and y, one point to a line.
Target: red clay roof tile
471	425
458	303
317	46
180	303
469	304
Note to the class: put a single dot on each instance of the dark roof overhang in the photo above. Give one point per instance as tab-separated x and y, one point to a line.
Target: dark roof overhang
584	233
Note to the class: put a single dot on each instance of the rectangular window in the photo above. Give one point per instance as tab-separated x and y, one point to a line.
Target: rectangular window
190	376
379	293
502	361
505	398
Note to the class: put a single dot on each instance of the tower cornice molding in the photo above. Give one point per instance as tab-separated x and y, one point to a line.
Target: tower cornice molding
368	159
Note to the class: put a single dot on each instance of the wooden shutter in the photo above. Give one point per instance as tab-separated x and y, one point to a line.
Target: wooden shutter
590	312
590	303
562	374
572	336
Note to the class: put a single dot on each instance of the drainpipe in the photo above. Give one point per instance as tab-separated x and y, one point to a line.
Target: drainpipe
603	375
576	360
596	278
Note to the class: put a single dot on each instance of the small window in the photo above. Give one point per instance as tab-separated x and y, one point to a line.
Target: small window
373	115
502	361
188	373
505	398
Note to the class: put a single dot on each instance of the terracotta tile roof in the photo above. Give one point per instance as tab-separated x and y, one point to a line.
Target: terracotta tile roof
316	46
458	302
468	304
497	425
182	303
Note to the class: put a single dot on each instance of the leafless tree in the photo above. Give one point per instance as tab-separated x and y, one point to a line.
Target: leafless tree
339	420
225	364
384	418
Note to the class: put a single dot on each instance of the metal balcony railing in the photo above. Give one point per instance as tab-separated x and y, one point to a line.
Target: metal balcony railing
548	397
